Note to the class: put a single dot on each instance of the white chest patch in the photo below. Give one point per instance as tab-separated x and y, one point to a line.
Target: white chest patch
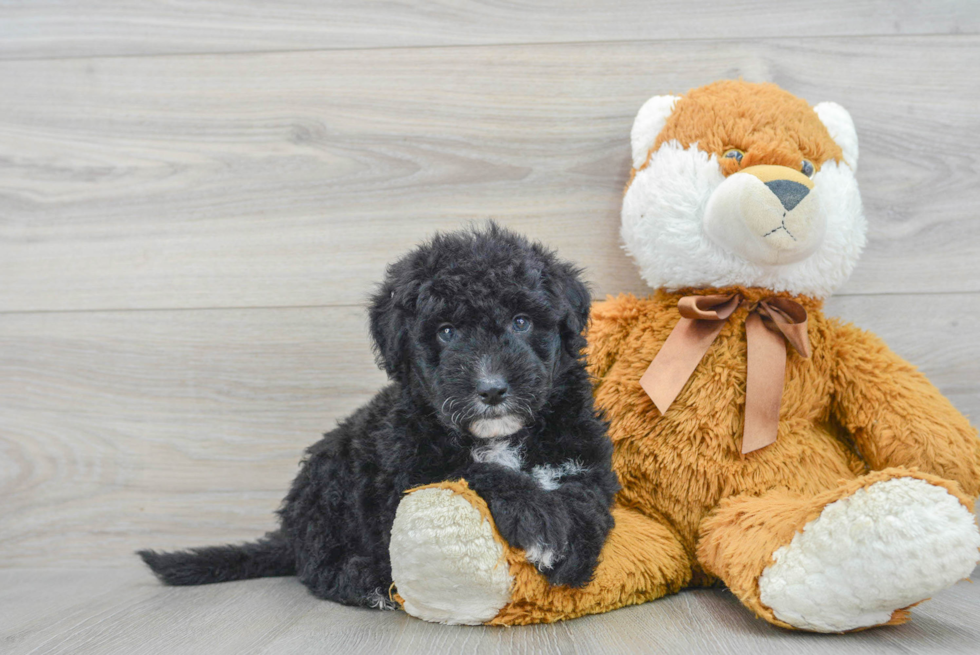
500	453
491	428
550	476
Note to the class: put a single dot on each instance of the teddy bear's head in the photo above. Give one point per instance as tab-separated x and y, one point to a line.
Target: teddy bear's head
742	184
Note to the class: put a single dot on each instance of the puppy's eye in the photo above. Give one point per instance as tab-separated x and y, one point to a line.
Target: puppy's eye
735	154
446	332
807	168
522	323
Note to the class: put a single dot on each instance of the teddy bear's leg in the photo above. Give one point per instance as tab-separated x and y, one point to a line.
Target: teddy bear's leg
450	565
852	557
447	562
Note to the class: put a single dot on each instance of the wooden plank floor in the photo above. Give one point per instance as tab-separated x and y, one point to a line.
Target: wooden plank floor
124	611
196	199
60	28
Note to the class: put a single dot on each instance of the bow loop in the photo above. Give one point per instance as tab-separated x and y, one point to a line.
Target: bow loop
708	308
789	317
770	323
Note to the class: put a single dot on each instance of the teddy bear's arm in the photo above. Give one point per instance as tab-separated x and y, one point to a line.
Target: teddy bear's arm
610	323
897	417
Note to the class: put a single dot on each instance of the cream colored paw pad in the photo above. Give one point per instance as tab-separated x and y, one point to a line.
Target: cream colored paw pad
883	548
445	563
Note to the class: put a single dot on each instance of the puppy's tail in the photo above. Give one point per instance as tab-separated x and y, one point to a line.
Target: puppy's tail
267	557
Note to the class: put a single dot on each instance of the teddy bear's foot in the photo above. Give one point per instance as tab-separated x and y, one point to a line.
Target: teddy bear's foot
450	565
445	562
871	554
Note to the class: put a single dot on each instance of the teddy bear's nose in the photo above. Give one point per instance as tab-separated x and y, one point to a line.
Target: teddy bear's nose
790	193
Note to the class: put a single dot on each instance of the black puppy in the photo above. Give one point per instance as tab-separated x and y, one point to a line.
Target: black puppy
480	333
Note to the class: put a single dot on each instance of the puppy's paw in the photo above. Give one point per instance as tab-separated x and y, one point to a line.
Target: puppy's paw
560	568
570	571
541	556
379	600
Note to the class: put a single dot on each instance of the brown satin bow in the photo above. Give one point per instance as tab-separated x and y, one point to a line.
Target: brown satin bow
769	325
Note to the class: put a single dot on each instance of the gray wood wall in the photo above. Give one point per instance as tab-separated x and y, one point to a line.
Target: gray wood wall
196	198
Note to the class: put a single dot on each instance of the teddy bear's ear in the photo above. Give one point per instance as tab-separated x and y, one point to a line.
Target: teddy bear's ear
649	121
838	122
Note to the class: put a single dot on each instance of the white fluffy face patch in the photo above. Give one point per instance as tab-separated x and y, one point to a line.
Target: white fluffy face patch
663	228
746	218
493	428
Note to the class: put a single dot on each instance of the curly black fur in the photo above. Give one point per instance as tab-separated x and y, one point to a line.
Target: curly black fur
515	316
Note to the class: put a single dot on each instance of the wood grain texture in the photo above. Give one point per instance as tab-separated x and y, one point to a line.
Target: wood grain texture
58	28
187	238
113	423
125	612
122	430
292	179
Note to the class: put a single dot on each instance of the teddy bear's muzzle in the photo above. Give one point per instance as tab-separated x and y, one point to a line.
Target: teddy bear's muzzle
766	214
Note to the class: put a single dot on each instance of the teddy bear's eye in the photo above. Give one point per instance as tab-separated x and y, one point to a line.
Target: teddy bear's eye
807	168
735	154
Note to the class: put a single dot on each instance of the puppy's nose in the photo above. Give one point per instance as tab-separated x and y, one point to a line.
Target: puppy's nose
492	390
790	193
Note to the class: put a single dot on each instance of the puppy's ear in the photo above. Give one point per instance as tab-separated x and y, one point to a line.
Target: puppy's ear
389	329
575	302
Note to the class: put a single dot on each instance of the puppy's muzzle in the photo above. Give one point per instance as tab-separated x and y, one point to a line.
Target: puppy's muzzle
766	214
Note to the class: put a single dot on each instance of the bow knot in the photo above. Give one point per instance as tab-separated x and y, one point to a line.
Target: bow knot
769	324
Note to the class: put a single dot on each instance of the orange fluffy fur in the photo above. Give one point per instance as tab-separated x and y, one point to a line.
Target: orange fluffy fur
769	125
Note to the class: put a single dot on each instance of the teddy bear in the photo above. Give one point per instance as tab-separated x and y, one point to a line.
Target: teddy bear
760	444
